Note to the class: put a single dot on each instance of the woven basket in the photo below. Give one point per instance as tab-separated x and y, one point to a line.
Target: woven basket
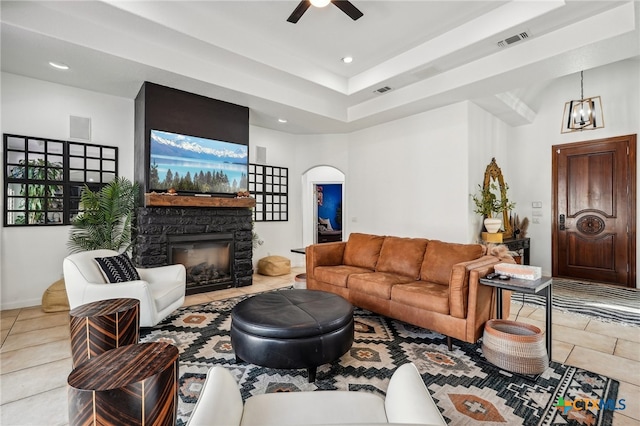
515	346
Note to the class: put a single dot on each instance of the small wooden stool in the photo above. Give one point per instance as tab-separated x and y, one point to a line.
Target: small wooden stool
131	385
97	327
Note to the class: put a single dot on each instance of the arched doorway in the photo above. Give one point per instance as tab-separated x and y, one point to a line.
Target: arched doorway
320	176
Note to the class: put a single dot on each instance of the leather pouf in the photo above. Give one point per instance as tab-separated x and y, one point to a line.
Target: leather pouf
55	298
274	266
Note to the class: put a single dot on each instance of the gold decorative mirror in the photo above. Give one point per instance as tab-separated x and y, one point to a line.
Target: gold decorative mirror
492	174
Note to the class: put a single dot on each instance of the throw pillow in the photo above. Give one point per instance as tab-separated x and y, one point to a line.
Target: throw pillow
362	250
117	269
326	222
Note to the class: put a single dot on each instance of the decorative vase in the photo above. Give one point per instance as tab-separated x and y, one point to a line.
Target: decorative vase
492	225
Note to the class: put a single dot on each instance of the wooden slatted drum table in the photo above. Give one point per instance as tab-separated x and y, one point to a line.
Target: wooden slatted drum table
130	385
99	326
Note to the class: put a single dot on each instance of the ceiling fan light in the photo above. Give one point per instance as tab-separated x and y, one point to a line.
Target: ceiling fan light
320	3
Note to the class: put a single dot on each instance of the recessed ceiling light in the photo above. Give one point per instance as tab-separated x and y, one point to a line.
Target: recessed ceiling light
59	65
282	120
347	59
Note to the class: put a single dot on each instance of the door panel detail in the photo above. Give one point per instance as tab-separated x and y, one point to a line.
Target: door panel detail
592	183
592	253
590	224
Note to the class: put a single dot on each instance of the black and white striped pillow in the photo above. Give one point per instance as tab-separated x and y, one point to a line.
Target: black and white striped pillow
117	269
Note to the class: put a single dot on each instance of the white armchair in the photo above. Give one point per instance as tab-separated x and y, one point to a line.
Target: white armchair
160	290
407	402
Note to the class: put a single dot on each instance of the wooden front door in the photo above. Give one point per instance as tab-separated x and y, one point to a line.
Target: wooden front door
594	210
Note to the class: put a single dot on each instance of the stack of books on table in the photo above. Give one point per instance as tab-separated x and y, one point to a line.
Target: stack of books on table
525	272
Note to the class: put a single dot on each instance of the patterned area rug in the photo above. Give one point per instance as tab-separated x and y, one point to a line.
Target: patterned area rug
601	301
467	389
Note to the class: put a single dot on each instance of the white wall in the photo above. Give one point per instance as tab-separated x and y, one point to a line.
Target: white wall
488	138
279	237
410	177
32	256
529	150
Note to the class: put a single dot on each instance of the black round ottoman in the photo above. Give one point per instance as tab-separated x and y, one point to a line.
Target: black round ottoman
292	329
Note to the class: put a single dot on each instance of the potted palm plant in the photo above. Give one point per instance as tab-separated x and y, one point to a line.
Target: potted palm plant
106	220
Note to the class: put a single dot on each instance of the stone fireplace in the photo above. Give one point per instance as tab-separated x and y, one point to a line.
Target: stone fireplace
213	243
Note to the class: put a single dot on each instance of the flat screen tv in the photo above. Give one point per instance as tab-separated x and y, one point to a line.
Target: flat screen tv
194	165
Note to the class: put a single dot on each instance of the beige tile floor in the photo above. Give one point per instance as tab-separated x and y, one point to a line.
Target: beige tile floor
35	356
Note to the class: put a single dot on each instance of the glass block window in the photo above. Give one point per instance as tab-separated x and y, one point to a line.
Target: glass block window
270	187
44	178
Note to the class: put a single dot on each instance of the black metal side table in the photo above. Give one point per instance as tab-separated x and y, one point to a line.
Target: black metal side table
542	286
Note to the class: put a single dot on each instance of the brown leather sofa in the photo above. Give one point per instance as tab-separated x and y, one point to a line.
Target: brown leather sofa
428	283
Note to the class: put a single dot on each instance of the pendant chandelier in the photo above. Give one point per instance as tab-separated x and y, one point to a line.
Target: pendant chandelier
582	114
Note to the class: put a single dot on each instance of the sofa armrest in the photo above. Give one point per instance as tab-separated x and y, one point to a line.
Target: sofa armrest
482	301
325	254
408	400
459	284
220	401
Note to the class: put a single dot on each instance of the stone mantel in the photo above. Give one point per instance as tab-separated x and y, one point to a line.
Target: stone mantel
163	200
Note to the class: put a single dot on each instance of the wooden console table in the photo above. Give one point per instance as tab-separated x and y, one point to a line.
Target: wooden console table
517	244
97	327
129	385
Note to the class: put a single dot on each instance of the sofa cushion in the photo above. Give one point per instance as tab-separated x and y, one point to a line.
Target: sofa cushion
363	250
166	292
402	256
377	284
314	408
429	296
117	269
336	275
440	257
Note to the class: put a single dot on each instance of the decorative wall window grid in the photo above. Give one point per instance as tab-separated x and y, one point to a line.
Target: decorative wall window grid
44	178
270	187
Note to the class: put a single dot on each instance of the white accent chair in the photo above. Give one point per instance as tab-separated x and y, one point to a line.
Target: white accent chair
160	290
407	402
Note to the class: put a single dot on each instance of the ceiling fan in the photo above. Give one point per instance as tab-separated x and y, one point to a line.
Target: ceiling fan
343	5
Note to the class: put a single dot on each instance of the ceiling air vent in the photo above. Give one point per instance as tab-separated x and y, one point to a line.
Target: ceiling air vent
382	89
513	39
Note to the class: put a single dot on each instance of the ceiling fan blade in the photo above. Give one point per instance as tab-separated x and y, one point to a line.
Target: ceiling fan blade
299	11
348	8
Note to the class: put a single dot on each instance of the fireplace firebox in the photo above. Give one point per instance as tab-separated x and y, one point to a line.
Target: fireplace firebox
207	259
